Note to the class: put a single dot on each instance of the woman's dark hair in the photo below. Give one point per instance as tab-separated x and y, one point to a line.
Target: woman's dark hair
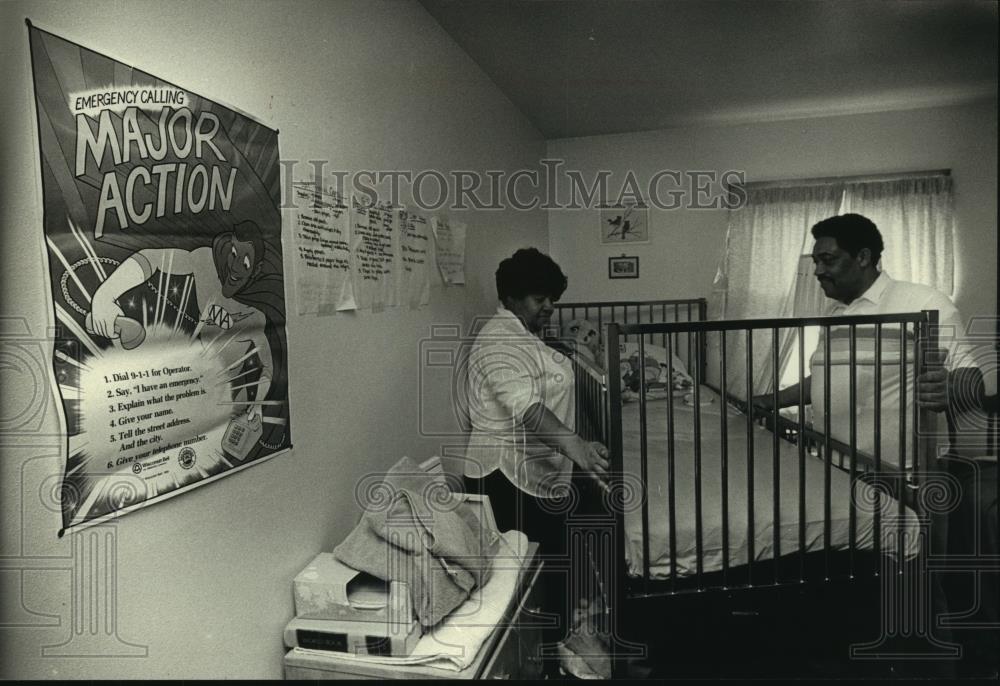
852	233
530	272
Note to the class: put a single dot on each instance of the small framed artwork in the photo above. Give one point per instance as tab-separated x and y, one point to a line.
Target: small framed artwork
623	267
628	224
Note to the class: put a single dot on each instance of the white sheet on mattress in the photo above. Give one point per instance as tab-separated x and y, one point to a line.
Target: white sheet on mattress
712	486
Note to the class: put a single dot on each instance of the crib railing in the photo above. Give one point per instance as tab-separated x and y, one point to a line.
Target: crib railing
592	407
599	404
627	312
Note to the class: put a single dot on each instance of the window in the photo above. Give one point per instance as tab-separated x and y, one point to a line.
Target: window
766	270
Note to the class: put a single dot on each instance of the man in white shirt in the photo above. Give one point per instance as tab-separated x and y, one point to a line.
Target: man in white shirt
846	256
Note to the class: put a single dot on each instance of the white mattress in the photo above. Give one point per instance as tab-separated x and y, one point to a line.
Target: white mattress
712	487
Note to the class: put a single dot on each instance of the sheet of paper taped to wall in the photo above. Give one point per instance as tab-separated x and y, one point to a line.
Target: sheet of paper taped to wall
414	249
374	240
322	256
449	249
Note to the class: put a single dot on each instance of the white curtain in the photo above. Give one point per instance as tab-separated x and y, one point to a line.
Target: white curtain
914	216
764	242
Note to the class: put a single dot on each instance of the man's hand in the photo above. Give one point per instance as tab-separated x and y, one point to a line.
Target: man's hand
763	402
957	391
932	384
787	397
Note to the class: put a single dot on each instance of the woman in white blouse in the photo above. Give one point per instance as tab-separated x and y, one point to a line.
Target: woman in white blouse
523	448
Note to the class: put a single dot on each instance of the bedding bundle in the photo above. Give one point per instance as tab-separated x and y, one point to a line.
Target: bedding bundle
418	531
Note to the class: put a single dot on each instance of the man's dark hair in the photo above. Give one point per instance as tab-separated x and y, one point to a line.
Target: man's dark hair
249	231
852	233
530	272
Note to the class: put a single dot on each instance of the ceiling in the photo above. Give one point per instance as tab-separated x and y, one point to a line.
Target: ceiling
587	67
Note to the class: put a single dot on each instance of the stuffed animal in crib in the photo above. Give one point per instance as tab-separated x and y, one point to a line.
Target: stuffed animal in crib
633	372
657	374
679	381
585	338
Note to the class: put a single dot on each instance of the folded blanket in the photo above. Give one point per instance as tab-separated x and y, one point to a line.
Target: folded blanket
425	535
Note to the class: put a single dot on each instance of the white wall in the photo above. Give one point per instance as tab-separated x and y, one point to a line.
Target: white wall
685	246
204	579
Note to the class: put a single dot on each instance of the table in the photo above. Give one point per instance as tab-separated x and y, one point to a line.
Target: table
511	651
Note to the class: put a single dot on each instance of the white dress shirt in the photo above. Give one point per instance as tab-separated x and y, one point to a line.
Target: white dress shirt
884	296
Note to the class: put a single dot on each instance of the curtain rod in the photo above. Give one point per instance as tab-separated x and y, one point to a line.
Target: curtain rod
825	180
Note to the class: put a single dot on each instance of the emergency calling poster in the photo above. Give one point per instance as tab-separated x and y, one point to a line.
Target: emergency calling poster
163	236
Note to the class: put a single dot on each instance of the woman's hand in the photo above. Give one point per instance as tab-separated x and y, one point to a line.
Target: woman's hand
592	458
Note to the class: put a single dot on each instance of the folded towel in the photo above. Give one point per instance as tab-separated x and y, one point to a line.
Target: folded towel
424	535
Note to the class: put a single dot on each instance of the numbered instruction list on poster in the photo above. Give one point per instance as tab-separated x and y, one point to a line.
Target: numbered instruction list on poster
153	410
322	252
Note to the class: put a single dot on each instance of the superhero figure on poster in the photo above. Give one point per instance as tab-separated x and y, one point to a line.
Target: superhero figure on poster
235	299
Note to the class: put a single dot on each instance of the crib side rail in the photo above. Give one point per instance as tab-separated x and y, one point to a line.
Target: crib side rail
591	390
790	430
602	313
915	457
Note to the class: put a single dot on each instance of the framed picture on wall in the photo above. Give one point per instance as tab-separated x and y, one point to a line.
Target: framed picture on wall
623	267
625	224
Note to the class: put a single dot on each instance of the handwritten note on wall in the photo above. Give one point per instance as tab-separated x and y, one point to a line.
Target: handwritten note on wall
322	253
414	253
374	237
449	244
